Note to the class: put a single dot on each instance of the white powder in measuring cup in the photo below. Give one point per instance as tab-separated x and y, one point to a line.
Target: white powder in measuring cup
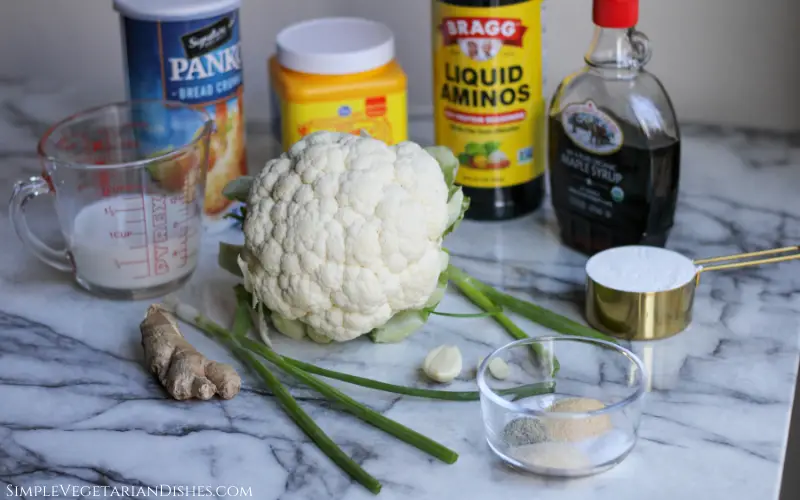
135	242
640	269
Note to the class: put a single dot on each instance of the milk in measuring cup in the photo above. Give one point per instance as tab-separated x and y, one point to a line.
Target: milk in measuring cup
134	242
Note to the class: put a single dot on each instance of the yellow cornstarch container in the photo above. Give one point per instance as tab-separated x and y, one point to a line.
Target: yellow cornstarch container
338	74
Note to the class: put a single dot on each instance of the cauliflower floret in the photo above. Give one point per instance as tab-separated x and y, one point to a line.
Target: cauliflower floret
342	232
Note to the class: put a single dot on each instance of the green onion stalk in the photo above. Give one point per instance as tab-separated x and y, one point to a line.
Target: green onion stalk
289	404
244	304
477	297
306	423
472	287
249	351
245	349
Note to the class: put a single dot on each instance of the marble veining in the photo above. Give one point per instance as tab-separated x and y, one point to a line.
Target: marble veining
77	408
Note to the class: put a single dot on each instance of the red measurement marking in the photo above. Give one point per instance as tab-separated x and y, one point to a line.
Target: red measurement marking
112	210
185	258
109	190
128	262
159	220
146	242
183	249
162	266
105	183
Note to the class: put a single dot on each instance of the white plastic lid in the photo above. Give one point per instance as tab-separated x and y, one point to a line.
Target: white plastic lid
335	46
174	10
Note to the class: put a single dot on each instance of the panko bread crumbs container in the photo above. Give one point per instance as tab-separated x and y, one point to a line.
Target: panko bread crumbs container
338	74
189	51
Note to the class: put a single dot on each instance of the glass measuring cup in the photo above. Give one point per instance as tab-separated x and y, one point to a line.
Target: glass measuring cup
128	180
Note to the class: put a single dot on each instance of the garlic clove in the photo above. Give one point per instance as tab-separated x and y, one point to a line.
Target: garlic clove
499	369
443	364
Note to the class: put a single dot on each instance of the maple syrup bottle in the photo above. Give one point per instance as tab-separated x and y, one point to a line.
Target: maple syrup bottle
614	143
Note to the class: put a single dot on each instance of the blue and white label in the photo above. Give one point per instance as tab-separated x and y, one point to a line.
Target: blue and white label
197	62
591	129
189	61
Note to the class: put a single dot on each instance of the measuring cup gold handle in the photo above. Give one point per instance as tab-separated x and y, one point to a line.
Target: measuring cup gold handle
25	191
741	260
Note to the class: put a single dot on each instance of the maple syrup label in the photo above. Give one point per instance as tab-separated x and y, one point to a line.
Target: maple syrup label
608	193
591	129
488	93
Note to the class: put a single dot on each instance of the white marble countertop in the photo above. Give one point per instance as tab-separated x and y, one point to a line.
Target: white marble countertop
78	408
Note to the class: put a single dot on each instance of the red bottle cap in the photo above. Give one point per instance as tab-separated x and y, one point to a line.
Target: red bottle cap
616	13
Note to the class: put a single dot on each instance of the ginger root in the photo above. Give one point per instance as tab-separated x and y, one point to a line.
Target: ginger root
183	371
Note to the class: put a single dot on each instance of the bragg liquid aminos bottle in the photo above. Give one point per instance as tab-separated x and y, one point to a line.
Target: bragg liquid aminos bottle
614	142
489	107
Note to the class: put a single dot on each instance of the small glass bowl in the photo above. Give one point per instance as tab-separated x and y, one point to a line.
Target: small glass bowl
581	420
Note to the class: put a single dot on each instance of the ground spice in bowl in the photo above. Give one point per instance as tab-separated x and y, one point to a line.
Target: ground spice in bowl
572	430
556	443
524	431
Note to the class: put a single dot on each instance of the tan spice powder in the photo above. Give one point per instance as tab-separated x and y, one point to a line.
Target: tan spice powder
572	430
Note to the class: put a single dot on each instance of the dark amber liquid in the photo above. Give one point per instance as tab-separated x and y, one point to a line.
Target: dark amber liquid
590	220
504	202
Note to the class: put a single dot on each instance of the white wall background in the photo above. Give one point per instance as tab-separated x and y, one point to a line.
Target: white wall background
734	62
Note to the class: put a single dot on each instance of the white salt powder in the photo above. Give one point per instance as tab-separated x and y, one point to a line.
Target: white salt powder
552	455
640	269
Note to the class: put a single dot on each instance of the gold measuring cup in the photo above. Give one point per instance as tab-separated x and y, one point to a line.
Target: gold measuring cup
658	315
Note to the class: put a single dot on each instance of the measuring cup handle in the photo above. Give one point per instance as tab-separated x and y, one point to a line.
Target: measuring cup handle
25	191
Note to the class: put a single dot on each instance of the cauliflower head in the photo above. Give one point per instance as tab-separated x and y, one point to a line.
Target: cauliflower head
343	232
